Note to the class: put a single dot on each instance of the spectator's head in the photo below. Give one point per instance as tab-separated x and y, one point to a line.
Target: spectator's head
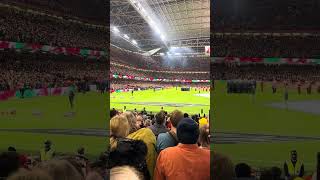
9	163
147	122
132	120
119	128
185	115
60	169
188	131
223	168
139	122
35	174
160	117
294	156
81	151
12	149
243	170
47	145
204	139
125	172
77	164
175	117
129	153
113	113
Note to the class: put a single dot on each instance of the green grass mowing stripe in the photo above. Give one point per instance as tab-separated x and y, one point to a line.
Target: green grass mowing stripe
166	96
238	113
31	143
91	112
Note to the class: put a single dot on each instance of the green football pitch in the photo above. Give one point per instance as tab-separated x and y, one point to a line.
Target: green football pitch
191	102
240	116
48	118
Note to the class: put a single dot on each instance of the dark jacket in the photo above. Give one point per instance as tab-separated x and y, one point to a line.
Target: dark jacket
157	129
131	153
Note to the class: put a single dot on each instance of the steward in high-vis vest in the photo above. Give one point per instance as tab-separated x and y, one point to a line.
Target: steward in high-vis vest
47	153
293	167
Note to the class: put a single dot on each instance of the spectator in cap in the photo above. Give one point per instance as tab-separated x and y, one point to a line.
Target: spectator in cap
186	160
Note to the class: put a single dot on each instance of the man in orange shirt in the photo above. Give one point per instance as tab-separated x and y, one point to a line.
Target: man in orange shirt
186	160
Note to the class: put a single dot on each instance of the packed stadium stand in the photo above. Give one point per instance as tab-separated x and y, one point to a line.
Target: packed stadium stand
26	34
147	68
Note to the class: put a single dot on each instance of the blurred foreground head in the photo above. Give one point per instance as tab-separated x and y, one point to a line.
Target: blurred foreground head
125	173
223	168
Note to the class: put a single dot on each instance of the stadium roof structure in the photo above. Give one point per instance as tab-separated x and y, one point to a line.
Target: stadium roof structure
161	24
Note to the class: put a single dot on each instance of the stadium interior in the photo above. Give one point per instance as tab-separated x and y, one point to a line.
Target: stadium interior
265	71
160	74
159	44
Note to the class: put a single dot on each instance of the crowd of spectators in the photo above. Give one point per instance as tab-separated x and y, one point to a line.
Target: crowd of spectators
126	63
37	70
265	46
159	145
28	27
134	84
172	75
48	165
51	165
265	72
162	63
73	9
251	15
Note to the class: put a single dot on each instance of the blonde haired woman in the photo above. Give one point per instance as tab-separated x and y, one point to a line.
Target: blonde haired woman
132	120
119	128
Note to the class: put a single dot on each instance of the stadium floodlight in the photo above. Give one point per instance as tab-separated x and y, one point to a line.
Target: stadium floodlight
126	36
163	38
134	42
152	23
115	29
143	11
157	30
